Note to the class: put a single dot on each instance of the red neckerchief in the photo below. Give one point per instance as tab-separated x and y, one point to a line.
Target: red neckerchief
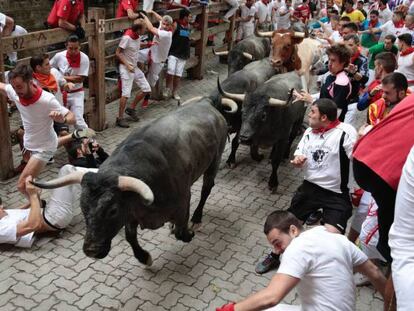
132	34
35	97
350	11
183	23
74	60
47	81
330	126
399	24
407	51
371	24
356	55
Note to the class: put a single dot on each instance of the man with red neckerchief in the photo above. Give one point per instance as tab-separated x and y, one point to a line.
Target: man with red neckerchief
74	66
406	58
127	8
393	27
69	15
38	110
302	12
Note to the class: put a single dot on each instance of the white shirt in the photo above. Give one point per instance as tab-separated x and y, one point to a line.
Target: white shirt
161	47
384	15
273	7
38	126
322	166
18	31
336	36
389	29
130	48
262	12
324	263
8	228
283	22
2	21
245	12
60	62
406	66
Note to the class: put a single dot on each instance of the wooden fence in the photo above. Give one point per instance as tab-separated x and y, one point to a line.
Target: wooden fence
96	29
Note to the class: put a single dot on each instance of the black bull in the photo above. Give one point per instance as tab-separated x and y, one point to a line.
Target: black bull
271	118
147	179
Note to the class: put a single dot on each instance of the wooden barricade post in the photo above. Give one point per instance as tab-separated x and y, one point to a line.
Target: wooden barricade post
229	33
200	51
6	155
97	79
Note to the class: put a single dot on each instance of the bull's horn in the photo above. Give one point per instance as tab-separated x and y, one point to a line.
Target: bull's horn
227	102
126	183
192	99
299	34
222	53
266	34
276	102
248	55
239	97
70	179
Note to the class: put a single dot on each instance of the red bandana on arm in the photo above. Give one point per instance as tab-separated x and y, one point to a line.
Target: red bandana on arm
132	34
407	51
73	60
30	101
330	126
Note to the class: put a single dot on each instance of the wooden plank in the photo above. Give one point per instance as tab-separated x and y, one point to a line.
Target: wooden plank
197	72
229	33
6	155
97	79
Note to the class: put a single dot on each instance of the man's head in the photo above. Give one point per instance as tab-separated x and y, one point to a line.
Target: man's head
334	21
281	227
339	56
185	14
373	16
385	63
40	64
322	112
409	21
398	16
389	41
352	42
249	3
350	28
288	3
21	80
73	45
166	23
138	26
349	5
404	41
342	22
360	5
394	88
383	4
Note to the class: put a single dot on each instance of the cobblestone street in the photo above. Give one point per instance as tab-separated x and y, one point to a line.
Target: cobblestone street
216	267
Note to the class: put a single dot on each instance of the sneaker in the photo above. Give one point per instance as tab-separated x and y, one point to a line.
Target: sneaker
145	103
269	263
122	123
176	96
132	113
84	133
361	280
166	93
314	218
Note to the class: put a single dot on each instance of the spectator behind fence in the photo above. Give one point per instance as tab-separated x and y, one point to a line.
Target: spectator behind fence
318	263
127	8
69	15
12	56
128	53
38	110
246	20
74	66
6	25
178	54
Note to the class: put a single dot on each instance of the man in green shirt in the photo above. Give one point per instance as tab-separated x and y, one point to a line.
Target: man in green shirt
386	46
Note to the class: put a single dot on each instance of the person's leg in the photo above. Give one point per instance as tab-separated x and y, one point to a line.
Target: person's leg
180	65
77	106
171	70
145	88
351	114
35	165
359	216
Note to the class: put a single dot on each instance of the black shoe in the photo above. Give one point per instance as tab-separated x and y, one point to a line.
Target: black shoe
269	263
122	123
132	113
314	218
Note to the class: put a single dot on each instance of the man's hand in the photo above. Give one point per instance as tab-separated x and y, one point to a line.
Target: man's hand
226	307
57	117
30	188
69	86
299	160
130	67
302	96
351	68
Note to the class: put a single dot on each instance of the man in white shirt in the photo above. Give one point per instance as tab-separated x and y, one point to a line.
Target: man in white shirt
6	25
263	14
18	226
393	27
324	154
246	19
385	13
319	263
127	54
74	66
157	54
38	110
17	31
282	15
234	5
406	58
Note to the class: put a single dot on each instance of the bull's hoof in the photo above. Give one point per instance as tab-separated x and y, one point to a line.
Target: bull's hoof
195	226
231	164
148	263
172	228
257	157
184	235
144	257
272	188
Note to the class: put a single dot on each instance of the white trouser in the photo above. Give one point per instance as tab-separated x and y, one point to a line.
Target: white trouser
75	103
128	78
361	211
351	114
175	66
148	5
284	307
234	6
245	30
59	210
401	238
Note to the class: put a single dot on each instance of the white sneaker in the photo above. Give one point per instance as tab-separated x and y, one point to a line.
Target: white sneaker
361	280
166	93
176	96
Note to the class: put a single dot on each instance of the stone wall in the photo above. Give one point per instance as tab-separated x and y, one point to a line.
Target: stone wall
32	13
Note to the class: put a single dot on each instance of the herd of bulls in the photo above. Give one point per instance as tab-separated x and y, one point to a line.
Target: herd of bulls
147	180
